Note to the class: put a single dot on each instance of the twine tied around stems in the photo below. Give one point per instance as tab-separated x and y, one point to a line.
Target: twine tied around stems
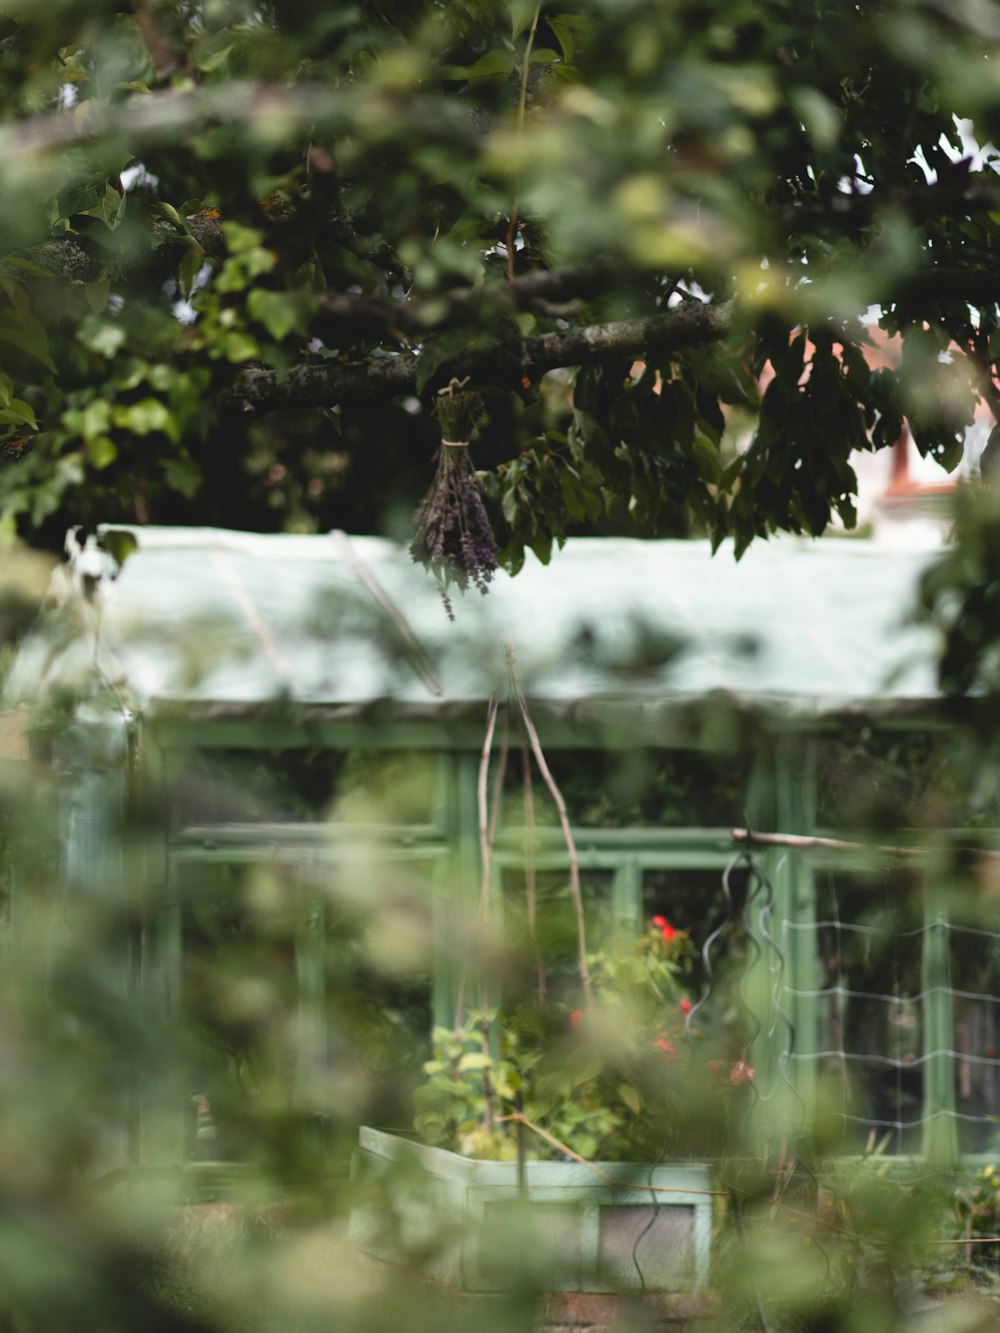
452	534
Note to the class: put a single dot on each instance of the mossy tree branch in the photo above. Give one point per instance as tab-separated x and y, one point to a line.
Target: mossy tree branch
503	363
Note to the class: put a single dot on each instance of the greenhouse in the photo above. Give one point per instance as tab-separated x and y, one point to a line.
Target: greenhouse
304	733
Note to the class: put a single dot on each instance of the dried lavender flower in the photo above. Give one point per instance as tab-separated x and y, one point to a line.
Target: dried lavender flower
452	536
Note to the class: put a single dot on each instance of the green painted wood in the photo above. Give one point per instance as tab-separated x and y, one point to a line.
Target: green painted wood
617	726
340	856
310	974
92	755
796	885
592	858
313	837
626	895
457	887
782	798
632	839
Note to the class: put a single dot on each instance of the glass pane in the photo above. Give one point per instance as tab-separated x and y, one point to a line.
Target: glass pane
869	937
555	936
301	992
638	788
695	901
871	779
975	979
238	1002
377	963
303	786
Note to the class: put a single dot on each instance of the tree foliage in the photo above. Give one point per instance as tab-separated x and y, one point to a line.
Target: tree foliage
245	244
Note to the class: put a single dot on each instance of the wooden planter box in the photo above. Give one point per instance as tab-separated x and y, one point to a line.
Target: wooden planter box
464	1222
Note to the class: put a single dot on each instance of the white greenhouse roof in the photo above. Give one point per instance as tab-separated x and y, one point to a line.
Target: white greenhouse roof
211	617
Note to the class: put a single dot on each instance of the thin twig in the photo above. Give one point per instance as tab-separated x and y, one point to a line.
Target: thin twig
491	836
483	805
498	781
166	54
489	1113
530	883
519	1118
567	832
797	840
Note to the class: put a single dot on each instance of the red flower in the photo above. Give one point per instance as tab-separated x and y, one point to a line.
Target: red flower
667	1047
664	927
741	1072
684	1005
575	1019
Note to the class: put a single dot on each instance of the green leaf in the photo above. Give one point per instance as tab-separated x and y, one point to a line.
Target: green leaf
143	417
183	475
81	196
89	421
521	14
101	451
15	294
119	544
26	266
28	334
101	336
493	65
240	238
275	310
189	268
508	505
238	347
474	1060
212	52
172	215
542	546
18	411
630	1096
97	294
563	33
259	261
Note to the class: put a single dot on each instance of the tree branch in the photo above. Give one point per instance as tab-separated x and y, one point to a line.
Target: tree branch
344	316
505	363
167	56
166	113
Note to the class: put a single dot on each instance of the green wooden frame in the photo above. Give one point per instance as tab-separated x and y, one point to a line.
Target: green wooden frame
782	798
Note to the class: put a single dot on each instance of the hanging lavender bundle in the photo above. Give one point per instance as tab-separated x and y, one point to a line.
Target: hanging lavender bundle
453	537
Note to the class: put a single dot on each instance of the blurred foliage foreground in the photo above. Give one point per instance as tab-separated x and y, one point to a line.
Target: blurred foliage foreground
619	1061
